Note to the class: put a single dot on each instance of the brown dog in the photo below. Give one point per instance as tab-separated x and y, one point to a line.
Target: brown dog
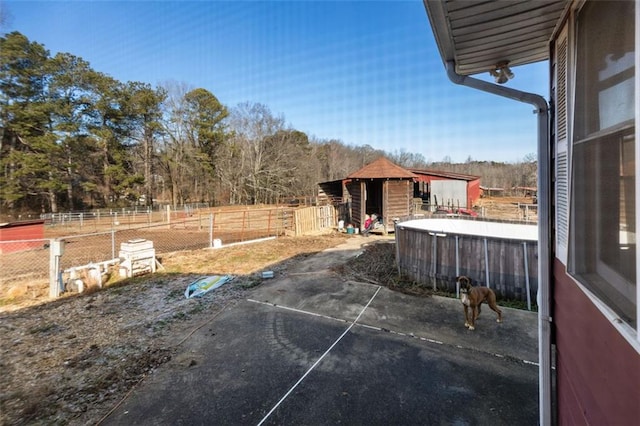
472	297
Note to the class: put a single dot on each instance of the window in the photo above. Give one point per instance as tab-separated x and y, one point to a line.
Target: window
603	224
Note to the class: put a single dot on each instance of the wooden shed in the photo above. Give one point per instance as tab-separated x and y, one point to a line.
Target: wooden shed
383	188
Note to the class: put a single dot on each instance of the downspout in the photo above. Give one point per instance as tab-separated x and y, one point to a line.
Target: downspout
544	228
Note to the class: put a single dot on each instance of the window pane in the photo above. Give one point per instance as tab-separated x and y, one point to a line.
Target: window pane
605	89
604	220
603	225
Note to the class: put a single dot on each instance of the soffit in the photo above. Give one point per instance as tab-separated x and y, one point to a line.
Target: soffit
477	35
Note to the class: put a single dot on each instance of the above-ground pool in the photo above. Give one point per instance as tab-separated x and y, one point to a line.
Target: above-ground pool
499	255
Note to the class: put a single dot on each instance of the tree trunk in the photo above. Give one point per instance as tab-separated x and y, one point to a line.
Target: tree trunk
70	186
148	177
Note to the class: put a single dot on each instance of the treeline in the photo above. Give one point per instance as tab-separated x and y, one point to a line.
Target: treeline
74	138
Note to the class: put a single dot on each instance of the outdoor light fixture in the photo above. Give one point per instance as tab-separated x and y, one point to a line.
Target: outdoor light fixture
502	73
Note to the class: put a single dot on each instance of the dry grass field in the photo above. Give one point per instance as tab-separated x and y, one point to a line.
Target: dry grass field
25	275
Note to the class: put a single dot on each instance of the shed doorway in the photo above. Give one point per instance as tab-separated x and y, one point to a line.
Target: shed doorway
373	197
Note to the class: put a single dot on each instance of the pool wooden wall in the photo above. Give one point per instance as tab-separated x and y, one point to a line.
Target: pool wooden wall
435	259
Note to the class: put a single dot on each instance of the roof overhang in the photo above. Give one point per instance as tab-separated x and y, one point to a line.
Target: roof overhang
478	35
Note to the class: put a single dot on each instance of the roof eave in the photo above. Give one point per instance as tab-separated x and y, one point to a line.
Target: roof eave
478	41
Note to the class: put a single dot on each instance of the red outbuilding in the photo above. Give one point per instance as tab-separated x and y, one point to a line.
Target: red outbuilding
446	188
19	236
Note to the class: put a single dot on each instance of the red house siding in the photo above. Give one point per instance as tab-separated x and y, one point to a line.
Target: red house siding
17	231
591	388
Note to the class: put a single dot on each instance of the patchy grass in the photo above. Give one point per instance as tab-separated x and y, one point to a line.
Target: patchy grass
68	361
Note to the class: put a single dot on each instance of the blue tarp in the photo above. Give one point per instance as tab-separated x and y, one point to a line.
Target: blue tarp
206	284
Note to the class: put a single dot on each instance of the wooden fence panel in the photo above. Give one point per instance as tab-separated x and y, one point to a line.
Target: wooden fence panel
310	220
507	266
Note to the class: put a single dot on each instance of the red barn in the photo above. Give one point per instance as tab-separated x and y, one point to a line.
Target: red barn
446	188
19	236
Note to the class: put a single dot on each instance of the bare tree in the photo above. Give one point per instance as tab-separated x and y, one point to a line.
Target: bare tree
252	126
175	151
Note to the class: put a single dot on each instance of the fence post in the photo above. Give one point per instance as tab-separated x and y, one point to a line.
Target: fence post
244	219
457	266
210	230
282	223
486	263
113	243
434	260
526	274
56	249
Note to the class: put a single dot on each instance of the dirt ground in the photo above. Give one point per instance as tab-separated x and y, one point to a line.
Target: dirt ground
70	361
73	360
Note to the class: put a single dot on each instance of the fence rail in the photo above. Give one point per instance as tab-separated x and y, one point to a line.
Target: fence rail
125	217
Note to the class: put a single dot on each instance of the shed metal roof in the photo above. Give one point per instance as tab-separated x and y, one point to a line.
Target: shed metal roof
448	175
477	34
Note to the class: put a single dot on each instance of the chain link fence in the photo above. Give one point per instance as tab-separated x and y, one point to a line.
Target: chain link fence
30	268
104	219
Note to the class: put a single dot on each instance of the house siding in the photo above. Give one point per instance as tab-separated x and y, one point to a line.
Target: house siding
598	372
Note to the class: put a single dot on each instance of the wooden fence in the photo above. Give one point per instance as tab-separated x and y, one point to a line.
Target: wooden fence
507	266
311	220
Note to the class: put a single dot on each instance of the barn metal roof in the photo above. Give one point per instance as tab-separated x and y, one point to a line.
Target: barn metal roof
448	175
382	168
478	35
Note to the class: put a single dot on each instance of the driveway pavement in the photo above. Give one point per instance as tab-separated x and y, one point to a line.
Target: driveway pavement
311	348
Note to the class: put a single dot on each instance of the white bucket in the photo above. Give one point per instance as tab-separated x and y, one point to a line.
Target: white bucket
341	225
217	243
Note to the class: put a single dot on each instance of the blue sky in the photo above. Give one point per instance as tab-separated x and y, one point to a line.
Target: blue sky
358	71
